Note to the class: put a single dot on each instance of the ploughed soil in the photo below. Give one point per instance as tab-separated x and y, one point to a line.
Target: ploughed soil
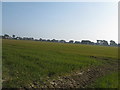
82	78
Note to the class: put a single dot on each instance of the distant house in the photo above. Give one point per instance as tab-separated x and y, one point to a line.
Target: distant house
44	40
18	38
36	40
48	40
99	42
102	42
118	44
86	42
113	43
62	41
77	42
95	43
71	41
92	43
53	40
27	38
105	43
6	36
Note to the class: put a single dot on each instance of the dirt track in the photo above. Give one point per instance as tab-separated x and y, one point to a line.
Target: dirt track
84	78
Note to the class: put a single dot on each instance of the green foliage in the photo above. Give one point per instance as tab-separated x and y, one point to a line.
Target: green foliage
27	61
107	81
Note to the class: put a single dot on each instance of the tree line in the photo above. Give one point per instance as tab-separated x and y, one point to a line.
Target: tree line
99	42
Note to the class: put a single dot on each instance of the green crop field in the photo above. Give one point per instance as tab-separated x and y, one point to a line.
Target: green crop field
25	62
109	81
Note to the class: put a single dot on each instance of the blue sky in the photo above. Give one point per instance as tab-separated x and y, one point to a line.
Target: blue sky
61	20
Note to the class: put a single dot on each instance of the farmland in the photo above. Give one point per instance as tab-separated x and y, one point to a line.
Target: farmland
30	63
109	81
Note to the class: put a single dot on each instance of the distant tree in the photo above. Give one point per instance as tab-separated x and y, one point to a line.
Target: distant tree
102	42
40	39
71	41
13	36
6	36
48	40
62	41
32	38
105	43
113	43
53	40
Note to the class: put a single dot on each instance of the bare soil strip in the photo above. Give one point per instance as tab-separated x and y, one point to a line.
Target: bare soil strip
83	78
